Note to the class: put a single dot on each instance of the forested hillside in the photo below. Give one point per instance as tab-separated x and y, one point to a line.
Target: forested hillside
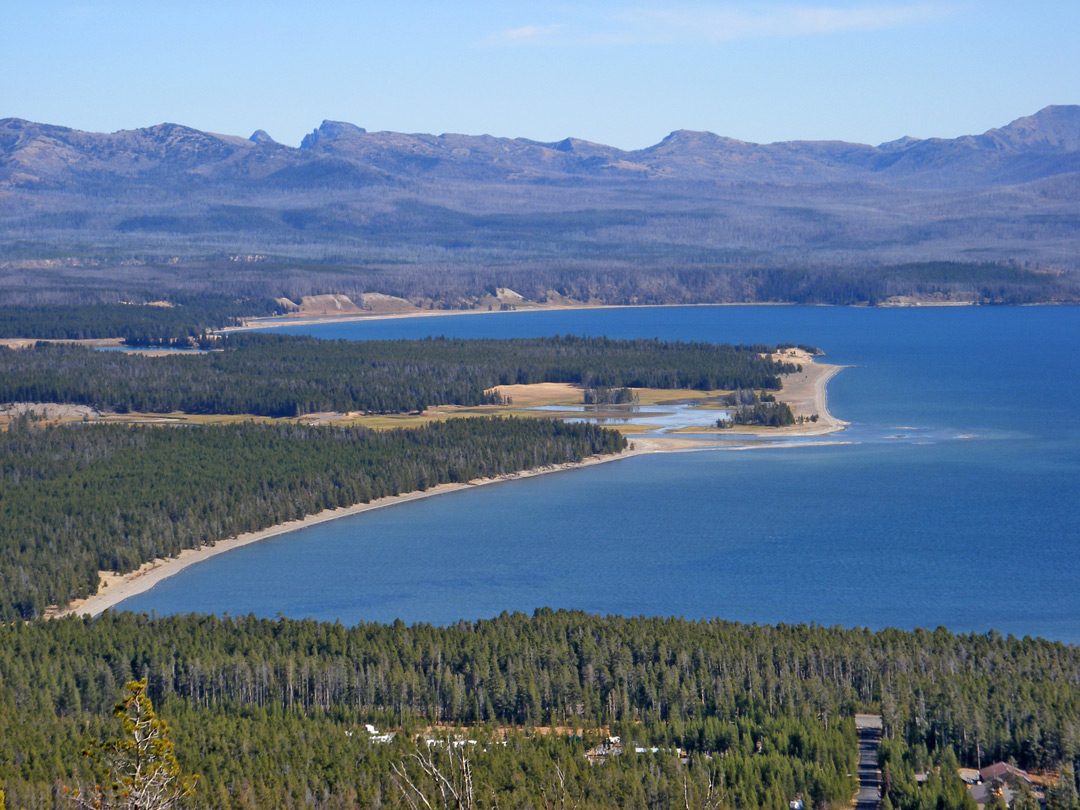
440	220
82	498
261	708
275	375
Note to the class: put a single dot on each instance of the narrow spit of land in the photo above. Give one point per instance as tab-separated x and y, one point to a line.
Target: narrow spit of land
805	392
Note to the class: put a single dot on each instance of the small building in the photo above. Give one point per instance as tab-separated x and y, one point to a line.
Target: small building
375	737
612	747
1003	771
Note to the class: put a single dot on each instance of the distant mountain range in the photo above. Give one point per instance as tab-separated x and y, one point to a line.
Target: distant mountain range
543	215
342	154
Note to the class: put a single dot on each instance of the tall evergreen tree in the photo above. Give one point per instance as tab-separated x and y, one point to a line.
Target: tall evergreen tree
138	771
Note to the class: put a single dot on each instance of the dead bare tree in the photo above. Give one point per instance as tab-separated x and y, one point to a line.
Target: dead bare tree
713	798
434	784
560	799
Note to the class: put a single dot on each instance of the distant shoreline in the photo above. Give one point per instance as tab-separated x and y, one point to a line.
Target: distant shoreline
806	394
312	319
301	319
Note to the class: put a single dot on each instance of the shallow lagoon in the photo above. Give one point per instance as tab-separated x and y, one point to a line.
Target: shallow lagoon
953	502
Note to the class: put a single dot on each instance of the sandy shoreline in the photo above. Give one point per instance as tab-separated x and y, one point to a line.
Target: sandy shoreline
301	318
311	319
116	588
804	392
807	395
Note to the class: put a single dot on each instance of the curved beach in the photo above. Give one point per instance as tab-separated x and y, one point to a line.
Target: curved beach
115	588
805	392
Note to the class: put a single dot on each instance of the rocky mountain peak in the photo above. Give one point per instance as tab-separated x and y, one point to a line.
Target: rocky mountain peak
1054	127
328	130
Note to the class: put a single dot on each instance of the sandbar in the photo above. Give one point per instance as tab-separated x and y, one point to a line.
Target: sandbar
806	394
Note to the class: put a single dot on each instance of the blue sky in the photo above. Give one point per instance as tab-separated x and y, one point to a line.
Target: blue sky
624	74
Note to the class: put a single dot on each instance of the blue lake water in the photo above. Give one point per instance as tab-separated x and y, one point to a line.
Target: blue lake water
955	503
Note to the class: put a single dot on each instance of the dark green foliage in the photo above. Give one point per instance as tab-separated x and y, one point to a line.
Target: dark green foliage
137	771
144	325
752	408
1064	795
766	414
276	375
610	396
813	351
77	499
260	708
941	790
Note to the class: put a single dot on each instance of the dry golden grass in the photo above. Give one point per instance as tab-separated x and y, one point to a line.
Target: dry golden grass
634	430
799	391
665	396
539	394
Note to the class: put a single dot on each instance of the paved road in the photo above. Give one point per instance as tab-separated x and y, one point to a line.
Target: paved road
869	729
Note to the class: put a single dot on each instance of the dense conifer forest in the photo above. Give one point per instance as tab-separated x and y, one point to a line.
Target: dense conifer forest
187	319
87	497
275	375
271	712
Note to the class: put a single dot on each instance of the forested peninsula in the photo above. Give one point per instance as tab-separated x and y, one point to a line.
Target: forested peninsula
79	498
277	375
271	713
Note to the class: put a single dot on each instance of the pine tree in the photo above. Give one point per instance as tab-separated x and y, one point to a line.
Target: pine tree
139	771
1062	796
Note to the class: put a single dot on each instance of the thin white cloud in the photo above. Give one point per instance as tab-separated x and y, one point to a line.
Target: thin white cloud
698	24
529	35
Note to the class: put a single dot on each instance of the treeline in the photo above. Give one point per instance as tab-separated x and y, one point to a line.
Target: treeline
977	282
261	707
87	497
763	414
610	396
188	319
752	408
276	375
